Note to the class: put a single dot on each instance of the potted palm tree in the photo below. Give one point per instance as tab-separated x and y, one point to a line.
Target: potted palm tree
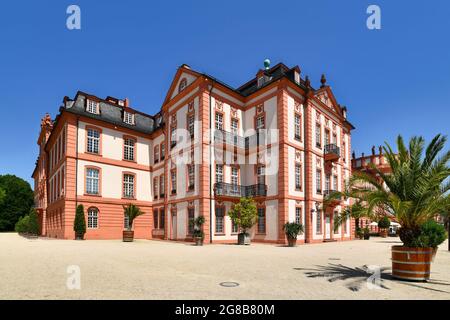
415	192
79	225
383	224
132	212
198	234
244	214
292	230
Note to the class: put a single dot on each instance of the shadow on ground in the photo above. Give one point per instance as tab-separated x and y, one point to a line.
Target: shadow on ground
360	276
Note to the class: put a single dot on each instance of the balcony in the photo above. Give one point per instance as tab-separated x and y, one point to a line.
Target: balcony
331	152
234	190
336	200
222	136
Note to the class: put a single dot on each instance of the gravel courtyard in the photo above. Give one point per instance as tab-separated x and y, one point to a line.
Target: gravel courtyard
37	269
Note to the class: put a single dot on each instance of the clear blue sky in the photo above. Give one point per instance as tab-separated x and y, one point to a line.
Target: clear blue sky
394	80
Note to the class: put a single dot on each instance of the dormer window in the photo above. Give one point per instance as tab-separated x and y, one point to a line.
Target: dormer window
260	81
297	77
183	85
92	107
128	118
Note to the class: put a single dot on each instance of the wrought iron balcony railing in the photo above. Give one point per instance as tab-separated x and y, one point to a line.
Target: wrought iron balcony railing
332	151
229	138
235	190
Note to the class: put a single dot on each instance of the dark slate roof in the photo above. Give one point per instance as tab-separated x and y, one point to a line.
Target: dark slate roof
113	113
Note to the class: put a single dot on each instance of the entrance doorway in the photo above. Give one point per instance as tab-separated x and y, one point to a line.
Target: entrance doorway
174	226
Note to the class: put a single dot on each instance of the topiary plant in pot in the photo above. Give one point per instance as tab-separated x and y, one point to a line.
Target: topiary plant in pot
79	225
132	212
198	233
384	225
415	192
366	233
292	230
244	214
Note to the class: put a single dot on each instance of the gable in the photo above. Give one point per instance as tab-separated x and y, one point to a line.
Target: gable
184	73
326	96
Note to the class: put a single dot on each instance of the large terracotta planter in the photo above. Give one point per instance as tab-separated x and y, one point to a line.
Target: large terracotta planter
292	242
128	236
412	264
79	236
383	233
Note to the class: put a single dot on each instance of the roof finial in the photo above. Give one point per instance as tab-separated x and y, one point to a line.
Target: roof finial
323	80
307	82
267	64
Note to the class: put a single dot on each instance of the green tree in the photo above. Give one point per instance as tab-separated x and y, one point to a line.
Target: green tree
132	212
16	199
244	214
33	224
79	225
416	190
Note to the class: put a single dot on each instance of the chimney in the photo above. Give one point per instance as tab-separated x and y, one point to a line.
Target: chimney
126	102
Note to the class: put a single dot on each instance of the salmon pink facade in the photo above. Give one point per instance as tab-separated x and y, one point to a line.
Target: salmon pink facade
275	139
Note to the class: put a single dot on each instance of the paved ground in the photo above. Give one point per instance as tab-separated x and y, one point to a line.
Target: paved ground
37	269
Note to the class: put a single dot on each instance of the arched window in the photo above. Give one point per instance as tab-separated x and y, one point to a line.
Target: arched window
182	85
92	218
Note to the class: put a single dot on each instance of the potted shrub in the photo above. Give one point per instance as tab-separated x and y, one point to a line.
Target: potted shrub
292	229
244	214
384	225
33	224
198	234
432	234
415	192
366	233
79	225
360	233
132	212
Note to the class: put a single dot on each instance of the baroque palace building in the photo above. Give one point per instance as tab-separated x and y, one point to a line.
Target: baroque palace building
275	139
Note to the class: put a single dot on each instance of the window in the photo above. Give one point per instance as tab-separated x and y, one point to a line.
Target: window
129	147
191	123
182	85
327	182
92	218
220	219
155	219
260	175
191	218
92	181
191	176
173	179
173	137
128	186
234	176
261	220
219	121
128	118
234	126
318	182
156	154
162	218
155	187
298	215
319	221
161	186
335	183
92	107
318	135
260	123
327	137
297	127
219	173
93	141
298	176
126	222
163	151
